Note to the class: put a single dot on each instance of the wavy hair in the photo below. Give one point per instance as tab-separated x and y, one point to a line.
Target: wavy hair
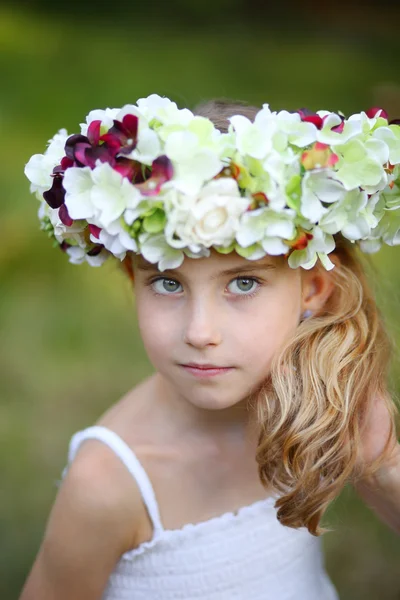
312	408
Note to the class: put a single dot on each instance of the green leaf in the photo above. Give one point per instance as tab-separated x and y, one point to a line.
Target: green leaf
246	252
293	192
381	122
155	124
225	249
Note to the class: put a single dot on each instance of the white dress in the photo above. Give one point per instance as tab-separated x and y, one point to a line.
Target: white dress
244	556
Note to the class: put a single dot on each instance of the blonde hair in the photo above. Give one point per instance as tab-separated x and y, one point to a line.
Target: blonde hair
322	383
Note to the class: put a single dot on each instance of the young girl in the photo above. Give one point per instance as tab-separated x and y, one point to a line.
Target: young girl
209	479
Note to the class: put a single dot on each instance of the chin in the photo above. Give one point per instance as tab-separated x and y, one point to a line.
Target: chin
211	400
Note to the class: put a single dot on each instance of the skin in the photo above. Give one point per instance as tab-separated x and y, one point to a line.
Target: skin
199	313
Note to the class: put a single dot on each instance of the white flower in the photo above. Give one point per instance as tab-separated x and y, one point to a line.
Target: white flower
162	109
327	136
363	218
38	170
317	187
268	227
255	139
61	231
210	218
111	194
278	171
148	147
78	256
364	122
298	133
56	147
361	165
101	194
106	117
343	212
116	239
40	166
132	109
156	250
74	232
193	165
319	247
391	196
78	185
391	136
272	134
197	252
389	228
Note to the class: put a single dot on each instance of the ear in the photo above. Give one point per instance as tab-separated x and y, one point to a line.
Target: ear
317	286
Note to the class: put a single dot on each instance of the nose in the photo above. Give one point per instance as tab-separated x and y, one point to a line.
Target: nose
201	325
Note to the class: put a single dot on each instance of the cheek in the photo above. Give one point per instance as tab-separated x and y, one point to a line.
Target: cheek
156	329
267	327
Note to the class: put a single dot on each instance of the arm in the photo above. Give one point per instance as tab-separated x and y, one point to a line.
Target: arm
382	492
89	527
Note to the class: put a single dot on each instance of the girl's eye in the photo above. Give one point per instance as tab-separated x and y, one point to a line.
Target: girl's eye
243	285
165	286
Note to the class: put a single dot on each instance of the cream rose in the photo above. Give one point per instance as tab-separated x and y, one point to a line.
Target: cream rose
211	218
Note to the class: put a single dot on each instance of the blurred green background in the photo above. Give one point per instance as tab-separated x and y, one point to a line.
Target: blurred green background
69	339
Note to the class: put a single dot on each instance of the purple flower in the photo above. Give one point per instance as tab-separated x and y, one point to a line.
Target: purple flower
372	112
85	150
310	117
64	216
55	195
122	136
161	171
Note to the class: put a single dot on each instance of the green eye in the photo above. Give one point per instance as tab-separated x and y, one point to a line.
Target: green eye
166	286
243	285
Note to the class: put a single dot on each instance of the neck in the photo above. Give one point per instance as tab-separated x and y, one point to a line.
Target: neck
235	423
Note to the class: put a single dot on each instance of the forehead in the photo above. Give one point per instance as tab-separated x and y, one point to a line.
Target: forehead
215	264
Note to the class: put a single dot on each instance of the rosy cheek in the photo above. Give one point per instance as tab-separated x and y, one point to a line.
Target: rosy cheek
157	333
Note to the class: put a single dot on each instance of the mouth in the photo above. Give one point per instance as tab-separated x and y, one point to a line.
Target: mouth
204	366
206	369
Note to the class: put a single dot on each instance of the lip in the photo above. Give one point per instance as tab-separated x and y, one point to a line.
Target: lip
203	366
207	370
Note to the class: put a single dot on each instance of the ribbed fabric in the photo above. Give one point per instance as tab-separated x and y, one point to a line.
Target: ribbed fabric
244	556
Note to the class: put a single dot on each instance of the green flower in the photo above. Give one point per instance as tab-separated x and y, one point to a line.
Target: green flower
360	166
253	252
152	219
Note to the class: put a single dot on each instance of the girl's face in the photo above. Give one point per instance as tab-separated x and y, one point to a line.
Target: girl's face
223	311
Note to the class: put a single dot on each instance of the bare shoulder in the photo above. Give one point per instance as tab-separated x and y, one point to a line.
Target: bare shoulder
94	520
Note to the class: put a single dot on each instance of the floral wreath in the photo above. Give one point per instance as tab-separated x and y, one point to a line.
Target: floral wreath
156	180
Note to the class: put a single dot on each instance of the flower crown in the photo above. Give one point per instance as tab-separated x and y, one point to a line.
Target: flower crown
153	179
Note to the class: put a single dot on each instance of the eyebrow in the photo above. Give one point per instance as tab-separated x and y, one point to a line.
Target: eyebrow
232	271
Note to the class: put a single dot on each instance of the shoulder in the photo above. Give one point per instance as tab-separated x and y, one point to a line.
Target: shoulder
93	521
97	487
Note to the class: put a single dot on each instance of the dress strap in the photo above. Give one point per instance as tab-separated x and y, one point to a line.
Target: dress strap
128	457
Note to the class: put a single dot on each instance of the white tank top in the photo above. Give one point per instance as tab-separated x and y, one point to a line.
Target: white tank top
247	555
